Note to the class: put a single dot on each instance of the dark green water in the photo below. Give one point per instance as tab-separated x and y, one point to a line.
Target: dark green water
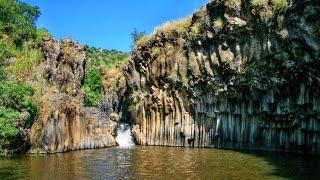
161	163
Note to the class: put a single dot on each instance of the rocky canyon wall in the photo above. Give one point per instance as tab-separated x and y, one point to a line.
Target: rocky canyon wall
64	123
235	75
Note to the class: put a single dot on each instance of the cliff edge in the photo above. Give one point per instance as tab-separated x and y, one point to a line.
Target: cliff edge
238	74
64	123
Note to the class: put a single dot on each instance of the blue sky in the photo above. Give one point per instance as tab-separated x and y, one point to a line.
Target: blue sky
108	23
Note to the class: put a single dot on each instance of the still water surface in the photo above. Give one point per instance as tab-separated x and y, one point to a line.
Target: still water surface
161	163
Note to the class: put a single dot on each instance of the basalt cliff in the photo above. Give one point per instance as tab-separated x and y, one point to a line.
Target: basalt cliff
64	123
238	74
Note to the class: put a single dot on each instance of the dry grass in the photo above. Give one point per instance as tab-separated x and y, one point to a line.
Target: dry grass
25	64
111	78
218	23
283	33
179	26
196	28
155	52
169	48
233	3
142	41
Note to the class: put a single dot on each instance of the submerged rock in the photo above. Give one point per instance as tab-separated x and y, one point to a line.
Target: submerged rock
114	117
139	136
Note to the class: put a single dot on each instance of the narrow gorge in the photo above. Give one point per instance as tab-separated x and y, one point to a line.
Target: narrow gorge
237	74
230	91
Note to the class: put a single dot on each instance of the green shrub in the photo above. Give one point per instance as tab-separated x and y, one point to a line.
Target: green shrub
19	98
92	99
259	3
93	88
196	28
2	75
7	50
18	20
8	124
100	58
41	33
109	63
24	65
280	4
15	96
218	23
17	112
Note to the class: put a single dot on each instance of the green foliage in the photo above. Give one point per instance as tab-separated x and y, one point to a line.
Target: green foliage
196	28
19	38
15	96
19	42
41	33
8	123
185	81
218	23
100	58
109	63
280	4
19	98
25	63
6	50
93	88
17	111
2	75
259	3
17	19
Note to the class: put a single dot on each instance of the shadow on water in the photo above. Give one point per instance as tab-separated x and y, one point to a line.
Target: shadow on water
161	162
290	165
217	164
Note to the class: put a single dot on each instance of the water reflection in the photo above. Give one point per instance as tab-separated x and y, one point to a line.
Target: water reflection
160	163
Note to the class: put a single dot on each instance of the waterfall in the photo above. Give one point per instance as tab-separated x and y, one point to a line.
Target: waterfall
124	136
218	125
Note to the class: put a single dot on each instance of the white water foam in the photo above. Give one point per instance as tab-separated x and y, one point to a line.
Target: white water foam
124	136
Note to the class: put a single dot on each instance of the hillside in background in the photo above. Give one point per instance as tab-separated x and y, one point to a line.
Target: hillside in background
22	76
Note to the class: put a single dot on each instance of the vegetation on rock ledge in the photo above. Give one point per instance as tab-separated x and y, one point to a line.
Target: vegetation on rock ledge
101	64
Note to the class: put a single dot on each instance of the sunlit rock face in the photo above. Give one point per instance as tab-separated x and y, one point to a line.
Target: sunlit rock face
64	124
239	76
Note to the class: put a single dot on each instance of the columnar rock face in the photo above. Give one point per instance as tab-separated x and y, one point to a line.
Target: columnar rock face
235	75
116	97
64	124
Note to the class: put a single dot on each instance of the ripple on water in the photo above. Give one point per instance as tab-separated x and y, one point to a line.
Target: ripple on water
160	162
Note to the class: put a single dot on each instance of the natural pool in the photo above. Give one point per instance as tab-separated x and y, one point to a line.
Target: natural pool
161	163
